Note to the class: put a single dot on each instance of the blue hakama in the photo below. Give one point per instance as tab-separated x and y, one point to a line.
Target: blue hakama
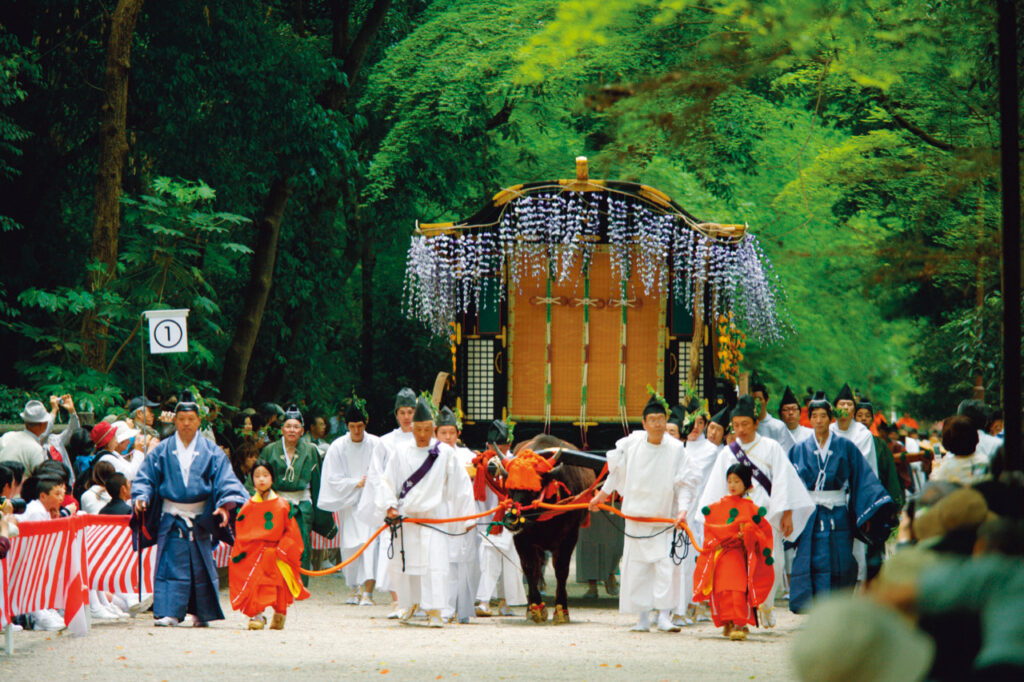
824	550
186	577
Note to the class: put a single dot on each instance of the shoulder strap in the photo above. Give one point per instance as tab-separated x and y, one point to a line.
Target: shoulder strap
761	477
418	475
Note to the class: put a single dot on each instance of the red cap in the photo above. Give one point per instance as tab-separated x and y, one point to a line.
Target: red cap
102	434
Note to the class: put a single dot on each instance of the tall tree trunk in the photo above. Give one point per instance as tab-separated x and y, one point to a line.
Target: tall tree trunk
334	97
368	256
109	172
261	277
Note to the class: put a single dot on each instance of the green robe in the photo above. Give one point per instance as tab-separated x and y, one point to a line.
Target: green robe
305	473
887	472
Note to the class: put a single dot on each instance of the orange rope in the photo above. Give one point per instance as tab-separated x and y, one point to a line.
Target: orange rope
641	519
346	562
505	504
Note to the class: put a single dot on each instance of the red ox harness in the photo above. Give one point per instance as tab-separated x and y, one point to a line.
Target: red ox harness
525	473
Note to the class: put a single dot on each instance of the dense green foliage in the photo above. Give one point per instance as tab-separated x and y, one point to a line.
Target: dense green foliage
856	139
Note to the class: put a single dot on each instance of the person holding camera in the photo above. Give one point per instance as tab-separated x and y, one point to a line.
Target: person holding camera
24	446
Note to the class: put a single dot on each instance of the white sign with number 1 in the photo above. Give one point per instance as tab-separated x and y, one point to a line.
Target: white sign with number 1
168	332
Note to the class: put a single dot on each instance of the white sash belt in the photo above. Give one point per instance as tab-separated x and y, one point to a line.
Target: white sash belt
295	496
828	498
184	510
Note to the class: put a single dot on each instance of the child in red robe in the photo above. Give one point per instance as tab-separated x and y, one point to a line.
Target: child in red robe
264	568
734	570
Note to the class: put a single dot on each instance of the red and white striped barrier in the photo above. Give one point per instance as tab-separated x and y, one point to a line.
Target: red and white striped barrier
46	569
54	564
113	565
317	541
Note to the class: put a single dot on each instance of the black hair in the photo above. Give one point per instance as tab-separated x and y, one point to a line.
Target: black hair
80	444
51	467
238	420
114	484
39	485
6	476
975	410
262	463
959	435
743	472
258	421
758	386
17	469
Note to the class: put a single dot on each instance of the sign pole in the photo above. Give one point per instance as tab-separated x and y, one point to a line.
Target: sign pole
142	364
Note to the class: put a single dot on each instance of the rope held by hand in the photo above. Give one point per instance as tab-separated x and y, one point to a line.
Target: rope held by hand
641	519
505	504
346	562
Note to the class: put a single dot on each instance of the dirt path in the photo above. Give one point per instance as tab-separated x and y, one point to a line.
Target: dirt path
325	639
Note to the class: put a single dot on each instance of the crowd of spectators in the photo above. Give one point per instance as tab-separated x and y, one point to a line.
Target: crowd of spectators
947	602
62	463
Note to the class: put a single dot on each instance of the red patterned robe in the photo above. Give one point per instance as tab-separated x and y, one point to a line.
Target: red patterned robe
734	570
264	568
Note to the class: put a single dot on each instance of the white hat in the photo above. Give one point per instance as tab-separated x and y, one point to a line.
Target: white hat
855	639
123	431
35	413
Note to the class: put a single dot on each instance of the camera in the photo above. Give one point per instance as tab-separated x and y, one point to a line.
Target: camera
16	502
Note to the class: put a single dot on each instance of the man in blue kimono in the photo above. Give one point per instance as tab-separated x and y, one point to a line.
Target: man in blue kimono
186	483
849	498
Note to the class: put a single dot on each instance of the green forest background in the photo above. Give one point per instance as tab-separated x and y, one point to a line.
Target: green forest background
858	140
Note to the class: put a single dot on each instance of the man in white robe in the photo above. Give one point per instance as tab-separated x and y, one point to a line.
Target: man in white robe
501	573
647	473
788	504
767	425
852	430
405	405
423	481
463	571
794	432
342	485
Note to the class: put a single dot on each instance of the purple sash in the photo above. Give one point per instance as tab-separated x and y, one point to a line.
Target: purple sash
737	451
418	475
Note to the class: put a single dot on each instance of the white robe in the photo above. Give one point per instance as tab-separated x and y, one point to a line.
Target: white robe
788	438
987	445
367	509
463	568
501	573
648	477
861	436
788	492
445	489
345	464
771	427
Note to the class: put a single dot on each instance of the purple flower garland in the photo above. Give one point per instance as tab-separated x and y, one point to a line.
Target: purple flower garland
445	273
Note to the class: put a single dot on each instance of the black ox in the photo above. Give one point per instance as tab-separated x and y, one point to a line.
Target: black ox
557	534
